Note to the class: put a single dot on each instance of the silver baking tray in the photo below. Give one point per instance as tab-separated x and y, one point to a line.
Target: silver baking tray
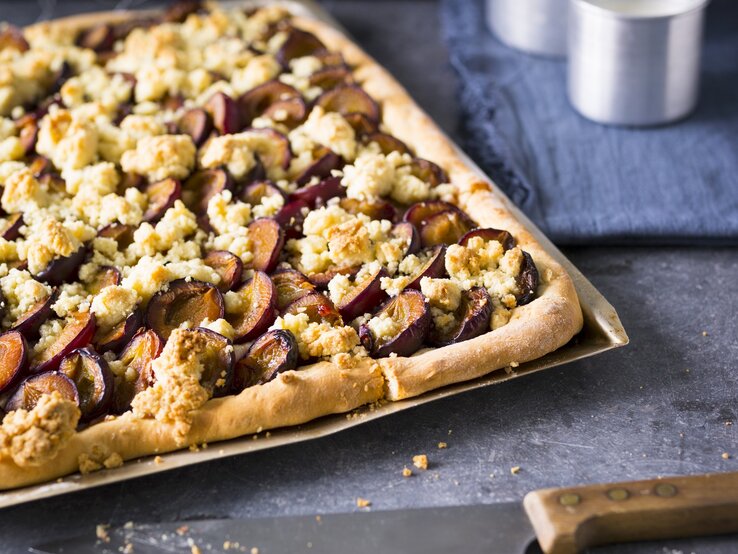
602	331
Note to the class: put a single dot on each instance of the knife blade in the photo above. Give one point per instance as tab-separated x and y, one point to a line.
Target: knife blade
490	529
561	520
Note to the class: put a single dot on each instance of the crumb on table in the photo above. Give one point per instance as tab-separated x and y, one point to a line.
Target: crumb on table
515	470
363	502
406	471
442	445
420	461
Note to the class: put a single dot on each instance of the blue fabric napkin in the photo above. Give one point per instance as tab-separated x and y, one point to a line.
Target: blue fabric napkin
586	183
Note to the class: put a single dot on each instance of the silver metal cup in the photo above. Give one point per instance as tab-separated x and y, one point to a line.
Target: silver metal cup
634	62
534	26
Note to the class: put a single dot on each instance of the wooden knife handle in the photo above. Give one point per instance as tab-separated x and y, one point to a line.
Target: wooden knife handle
568	520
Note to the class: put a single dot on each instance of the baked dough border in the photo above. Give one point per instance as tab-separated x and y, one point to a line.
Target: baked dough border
321	389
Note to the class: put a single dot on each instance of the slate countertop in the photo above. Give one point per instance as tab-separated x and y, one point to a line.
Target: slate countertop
666	404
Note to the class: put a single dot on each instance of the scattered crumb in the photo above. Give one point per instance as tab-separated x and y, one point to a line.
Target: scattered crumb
128	525
195	549
309	544
128	548
456	483
704	333
268	434
204	446
158	460
450	431
194	448
406	471
363	502
728	423
491	475
101	531
420	461
221	451
442	445
254	550
725	456
514	364
515	470
182	530
318	518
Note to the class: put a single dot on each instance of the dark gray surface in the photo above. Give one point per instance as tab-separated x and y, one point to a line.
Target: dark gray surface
664	405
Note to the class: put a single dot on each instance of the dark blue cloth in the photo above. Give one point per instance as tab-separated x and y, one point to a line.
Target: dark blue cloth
586	183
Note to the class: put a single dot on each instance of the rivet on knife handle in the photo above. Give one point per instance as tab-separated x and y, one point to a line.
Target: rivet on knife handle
568	520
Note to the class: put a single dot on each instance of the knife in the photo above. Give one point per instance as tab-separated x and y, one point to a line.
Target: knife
562	520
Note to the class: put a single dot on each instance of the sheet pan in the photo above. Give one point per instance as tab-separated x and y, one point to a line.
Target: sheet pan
602	332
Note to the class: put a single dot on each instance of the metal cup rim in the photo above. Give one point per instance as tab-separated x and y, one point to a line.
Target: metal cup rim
594	8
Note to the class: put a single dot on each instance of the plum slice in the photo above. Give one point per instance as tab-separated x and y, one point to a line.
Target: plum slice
218	359
376	209
227	265
30	391
272	147
225	113
320	193
197	123
321	168
363	297
331	77
11	229
434	266
322	279
257	101
162	196
299	44
185	301
255	192
258	298
29	323
106	276
130	180
94	381
503	237
471	319
99	38
79	331
318	308
202	186
120	233
409	233
361	124
290	112
290	285
267	238
63	268
419	213
445	228
12	37
428	171
291	217
137	356
527	280
272	353
349	99
120	335
410	321
13	358
387	143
